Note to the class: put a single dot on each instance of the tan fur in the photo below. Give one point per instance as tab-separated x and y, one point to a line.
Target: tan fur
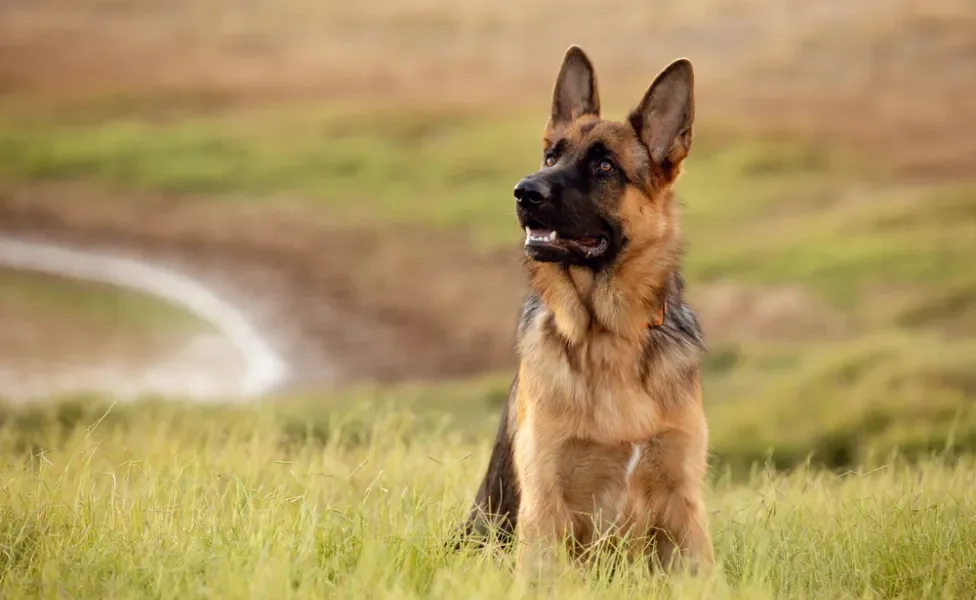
599	448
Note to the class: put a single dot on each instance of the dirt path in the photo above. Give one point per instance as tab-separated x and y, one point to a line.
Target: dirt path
257	369
345	305
383	304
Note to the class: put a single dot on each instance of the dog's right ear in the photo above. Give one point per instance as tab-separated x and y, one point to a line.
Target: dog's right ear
575	93
663	120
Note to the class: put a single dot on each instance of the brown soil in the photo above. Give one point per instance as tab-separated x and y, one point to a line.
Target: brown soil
30	336
733	313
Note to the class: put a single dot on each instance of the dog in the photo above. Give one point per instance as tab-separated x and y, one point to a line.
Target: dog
603	434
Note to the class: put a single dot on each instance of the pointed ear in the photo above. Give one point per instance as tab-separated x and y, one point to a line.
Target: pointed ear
575	93
663	119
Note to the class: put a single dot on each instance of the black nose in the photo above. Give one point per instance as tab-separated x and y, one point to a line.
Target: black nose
532	192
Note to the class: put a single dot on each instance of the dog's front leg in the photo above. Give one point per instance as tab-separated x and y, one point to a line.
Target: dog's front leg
545	522
683	540
669	507
544	528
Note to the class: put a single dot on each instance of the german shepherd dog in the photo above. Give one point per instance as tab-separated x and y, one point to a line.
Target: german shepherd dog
603	435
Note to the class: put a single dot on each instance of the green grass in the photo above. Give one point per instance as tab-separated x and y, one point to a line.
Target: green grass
100	306
169	501
431	167
841	405
434	168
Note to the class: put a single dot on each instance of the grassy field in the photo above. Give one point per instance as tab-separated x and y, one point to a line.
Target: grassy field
171	501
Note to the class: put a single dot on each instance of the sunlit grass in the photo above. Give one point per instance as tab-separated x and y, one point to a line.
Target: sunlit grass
160	502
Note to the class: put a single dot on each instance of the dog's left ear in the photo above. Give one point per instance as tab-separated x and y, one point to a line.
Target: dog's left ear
663	119
575	93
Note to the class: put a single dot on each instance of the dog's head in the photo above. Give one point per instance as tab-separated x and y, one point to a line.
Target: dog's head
603	184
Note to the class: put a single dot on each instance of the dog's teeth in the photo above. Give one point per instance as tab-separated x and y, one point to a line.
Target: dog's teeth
552	236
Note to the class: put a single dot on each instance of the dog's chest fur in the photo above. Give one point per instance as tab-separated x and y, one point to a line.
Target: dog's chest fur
606	388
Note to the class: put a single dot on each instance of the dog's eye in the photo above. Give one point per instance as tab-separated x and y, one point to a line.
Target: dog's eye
550	161
606	166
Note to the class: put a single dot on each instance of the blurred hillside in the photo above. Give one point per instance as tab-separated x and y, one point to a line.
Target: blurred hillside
345	168
878	72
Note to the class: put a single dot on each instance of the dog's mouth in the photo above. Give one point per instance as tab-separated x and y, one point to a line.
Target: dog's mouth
588	246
